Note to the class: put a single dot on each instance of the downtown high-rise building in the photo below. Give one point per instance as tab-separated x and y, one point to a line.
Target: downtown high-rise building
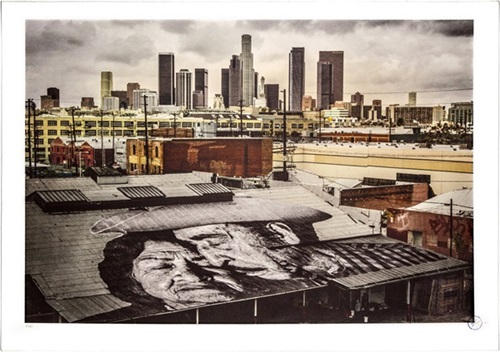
138	99
247	71
330	78
184	90
224	83
130	94
122	96
234	81
272	94
166	77
201	84
106	85
412	99
296	78
53	92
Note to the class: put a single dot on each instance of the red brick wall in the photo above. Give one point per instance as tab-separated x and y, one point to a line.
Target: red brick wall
383	197
435	230
240	157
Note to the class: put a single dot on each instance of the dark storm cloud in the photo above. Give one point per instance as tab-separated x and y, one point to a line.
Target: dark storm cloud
130	50
454	28
178	26
57	36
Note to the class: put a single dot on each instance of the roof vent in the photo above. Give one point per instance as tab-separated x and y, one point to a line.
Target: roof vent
142	192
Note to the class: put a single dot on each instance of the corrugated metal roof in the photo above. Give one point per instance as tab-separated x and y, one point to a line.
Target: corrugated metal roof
141	192
208	188
463	203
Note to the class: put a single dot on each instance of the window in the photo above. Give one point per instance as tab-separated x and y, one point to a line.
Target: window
39	122
186	124
51	140
266	126
52	123
164	124
294	125
277	125
128	133
134	150
104	124
258	125
64	123
156	151
129	124
301	125
249	125
52	132
118	124
90	124
90	133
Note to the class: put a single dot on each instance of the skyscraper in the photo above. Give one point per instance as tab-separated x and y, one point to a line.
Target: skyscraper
247	71
201	84
296	78
166	76
412	99
234	81
54	94
106	85
184	89
335	83
272	91
225	86
130	94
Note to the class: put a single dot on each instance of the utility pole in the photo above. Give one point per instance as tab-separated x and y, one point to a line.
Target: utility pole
175	125
319	136
103	160
113	131
73	137
285	172
35	137
30	170
241	117
451	227
146	132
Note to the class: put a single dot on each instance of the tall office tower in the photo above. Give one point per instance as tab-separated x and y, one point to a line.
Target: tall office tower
325	85
256	85
54	94
219	102
272	94
201	84
336	59
122	96
198	100
184	90
225	86
412	99
166	76
106	85
357	98
247	71
357	103
151	99
130	94
234	81
111	103
87	103
296	78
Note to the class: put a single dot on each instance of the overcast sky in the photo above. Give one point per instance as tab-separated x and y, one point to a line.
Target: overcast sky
382	59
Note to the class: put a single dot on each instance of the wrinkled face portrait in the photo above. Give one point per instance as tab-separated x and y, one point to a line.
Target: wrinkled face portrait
239	247
168	271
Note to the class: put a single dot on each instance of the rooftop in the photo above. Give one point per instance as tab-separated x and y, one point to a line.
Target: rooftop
69	255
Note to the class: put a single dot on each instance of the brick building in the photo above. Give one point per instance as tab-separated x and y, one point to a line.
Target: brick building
437	222
240	157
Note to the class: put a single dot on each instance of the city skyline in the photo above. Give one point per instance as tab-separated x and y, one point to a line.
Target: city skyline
379	56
